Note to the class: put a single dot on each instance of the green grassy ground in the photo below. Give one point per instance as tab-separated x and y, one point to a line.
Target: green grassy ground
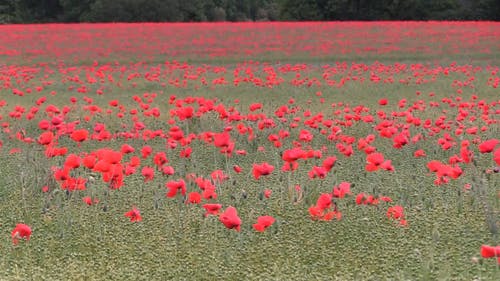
72	241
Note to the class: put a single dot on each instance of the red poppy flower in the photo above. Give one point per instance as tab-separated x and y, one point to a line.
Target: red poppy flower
126	148
72	184
134	215
385	198
496	156
146	151
44	124
212	209
292	155
79	135
488	146
209	192
342	190
375	160
434	165
317	213
324	201
382	102
387	165
87	200
328	216
263	169
174	186
72	161
102	166
219	176
113	103
267	193
167	170
134	161
465	154
46	138
363	199
400	140
109	155
305	136
490	251
185	112
230	218
129	170
263	222
193	198
241	152
89	161
419	153
57	120
186	153
290	166
395	212
317	172
148	173
255	106
222	139
160	159
61	174
21	231
237	169
360	198
329	162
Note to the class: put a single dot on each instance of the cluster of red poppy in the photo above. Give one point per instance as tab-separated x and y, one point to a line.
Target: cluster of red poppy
21	231
102	78
246	40
114	166
491	252
95	138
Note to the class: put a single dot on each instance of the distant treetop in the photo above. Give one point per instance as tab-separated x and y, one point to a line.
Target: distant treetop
42	11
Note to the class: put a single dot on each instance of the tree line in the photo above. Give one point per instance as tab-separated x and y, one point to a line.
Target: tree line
42	11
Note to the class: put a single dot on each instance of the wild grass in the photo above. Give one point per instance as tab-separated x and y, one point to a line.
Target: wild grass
72	241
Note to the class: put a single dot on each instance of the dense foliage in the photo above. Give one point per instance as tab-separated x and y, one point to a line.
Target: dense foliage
35	11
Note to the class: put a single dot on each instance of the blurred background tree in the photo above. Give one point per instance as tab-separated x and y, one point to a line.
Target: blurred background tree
40	11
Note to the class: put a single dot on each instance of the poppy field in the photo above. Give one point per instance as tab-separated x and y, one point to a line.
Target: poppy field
250	151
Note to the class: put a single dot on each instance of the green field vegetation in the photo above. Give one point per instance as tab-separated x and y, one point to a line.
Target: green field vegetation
72	241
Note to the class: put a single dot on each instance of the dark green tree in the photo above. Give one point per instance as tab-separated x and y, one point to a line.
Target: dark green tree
301	10
7	11
487	10
33	11
134	11
192	10
74	10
